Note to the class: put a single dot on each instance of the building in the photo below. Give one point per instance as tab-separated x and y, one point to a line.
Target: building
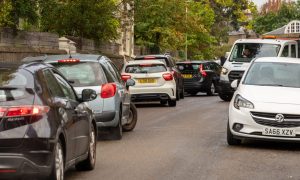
273	6
291	30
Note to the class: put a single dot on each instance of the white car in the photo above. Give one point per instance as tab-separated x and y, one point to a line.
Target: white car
153	82
266	104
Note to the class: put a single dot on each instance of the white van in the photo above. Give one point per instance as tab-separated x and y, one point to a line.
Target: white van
243	52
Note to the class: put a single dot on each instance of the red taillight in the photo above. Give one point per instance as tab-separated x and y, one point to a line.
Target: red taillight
8	170
2	111
68	61
25	111
149	57
168	76
125	77
203	73
108	90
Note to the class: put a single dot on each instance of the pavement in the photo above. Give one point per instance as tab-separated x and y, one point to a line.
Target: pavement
189	142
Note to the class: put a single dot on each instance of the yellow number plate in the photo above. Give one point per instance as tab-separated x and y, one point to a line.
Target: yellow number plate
187	76
147	80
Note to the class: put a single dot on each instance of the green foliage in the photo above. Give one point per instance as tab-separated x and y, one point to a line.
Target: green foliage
82	18
273	20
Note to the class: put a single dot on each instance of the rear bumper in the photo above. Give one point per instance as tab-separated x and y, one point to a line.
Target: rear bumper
13	166
149	97
196	86
156	93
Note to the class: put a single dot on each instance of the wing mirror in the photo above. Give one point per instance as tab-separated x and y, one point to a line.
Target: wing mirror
235	84
227	54
129	82
88	95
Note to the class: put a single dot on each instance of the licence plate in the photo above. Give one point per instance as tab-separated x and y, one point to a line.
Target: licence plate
279	132
147	80
187	76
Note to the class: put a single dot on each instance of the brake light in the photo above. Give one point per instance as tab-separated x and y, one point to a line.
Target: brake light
26	111
125	77
108	90
203	73
68	61
149	57
168	76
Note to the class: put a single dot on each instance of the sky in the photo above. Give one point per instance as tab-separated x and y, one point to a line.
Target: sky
259	2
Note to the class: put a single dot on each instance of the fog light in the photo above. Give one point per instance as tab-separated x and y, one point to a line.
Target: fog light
237	127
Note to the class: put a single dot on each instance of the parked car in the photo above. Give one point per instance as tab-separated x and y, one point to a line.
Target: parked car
200	76
266	102
153	82
45	128
171	66
112	108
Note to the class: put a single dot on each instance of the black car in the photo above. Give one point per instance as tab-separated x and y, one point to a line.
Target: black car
171	65
200	76
44	127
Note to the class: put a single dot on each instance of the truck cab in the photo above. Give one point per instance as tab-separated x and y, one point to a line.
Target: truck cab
244	51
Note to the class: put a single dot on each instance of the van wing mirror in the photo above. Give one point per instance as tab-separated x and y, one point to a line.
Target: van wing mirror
235	84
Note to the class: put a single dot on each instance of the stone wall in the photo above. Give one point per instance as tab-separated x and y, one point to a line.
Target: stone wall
15	45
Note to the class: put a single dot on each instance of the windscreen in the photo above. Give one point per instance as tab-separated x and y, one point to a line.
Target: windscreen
246	52
274	74
81	74
15	84
191	67
145	68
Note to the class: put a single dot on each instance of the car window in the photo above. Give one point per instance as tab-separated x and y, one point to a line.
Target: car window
145	68
113	72
109	76
52	84
285	52
82	74
116	72
67	89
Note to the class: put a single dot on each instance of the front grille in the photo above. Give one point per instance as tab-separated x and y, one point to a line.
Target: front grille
268	119
233	75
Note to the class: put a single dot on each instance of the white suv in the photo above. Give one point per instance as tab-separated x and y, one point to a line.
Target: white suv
266	103
153	82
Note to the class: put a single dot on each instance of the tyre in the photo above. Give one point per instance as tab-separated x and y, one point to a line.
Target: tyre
230	139
182	94
89	163
177	95
117	132
193	93
212	90
58	169
132	119
172	103
225	97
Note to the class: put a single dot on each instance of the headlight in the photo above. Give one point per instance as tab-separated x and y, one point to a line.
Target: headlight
224	71
239	101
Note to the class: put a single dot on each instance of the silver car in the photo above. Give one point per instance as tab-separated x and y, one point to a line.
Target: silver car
112	107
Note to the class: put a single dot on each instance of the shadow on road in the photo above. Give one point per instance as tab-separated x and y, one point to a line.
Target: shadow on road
270	145
151	105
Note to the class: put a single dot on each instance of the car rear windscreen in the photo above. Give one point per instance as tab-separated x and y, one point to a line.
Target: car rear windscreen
81	74
15	84
145	68
191	67
158	59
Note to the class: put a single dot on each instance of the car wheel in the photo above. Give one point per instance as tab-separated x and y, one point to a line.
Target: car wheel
212	90
182	94
172	103
117	132
58	170
230	139
225	97
177	95
132	119
90	161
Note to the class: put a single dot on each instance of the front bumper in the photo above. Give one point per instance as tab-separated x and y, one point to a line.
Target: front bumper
253	130
224	87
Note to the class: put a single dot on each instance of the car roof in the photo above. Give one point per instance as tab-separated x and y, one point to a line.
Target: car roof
263	41
31	66
153	55
54	58
145	62
278	59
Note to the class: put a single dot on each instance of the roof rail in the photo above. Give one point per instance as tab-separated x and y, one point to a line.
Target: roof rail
34	59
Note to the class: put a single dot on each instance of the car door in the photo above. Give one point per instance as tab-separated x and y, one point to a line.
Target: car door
79	116
62	108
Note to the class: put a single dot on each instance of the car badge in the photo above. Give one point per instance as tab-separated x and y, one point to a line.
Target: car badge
279	118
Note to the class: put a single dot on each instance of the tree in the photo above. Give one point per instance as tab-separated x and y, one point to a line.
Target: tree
12	10
92	19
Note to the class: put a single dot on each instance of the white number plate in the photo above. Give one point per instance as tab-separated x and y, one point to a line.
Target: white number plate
279	132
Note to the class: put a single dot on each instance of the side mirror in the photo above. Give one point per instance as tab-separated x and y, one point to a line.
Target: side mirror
235	84
88	95
129	82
